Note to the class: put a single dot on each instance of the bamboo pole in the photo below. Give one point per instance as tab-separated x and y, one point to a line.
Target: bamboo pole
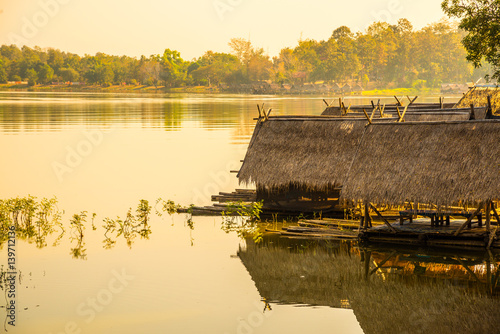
488	215
479	208
398	101
489	112
367	117
383	218
403	115
367	216
472	114
326	103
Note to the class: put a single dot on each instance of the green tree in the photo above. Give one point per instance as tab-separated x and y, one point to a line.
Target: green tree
214	68
172	70
481	20
69	74
45	73
31	76
3	73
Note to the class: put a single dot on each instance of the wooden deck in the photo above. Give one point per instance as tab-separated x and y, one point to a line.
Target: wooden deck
421	232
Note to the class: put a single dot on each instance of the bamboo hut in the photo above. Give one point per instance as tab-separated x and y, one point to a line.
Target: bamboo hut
429	162
300	162
488	96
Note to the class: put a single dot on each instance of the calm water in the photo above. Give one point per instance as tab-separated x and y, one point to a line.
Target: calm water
103	153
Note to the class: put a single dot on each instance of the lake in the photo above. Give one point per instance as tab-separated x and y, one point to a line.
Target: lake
100	155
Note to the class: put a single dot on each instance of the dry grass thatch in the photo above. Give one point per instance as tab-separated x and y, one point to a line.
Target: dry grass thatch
338	111
314	153
439	163
478	96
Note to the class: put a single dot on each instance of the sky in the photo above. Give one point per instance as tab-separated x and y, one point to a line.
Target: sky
192	27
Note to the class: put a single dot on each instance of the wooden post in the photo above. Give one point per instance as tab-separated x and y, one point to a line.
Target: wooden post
398	101
326	103
472	114
441	102
366	216
467	222
403	115
432	220
447	220
479	220
367	117
401	219
495	213
489	112
488	215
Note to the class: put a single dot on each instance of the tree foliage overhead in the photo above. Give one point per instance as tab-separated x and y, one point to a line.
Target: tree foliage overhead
481	20
386	55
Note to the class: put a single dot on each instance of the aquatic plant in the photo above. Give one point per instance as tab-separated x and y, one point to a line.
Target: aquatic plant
77	233
243	219
168	206
130	227
33	220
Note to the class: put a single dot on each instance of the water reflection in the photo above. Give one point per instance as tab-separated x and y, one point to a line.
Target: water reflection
389	290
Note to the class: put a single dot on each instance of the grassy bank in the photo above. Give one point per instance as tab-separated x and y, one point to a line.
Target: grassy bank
196	89
402	91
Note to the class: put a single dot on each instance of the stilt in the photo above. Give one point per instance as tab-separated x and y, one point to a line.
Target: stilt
447	220
432	220
367	215
480	218
488	215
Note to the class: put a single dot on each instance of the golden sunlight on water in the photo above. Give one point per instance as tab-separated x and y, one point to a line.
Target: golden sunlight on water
103	153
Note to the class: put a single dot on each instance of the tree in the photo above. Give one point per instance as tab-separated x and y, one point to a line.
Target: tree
3	73
481	20
45	73
69	74
31	76
214	67
172	68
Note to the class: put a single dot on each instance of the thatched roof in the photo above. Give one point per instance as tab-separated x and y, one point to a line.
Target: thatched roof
391	108
479	97
311	152
427	162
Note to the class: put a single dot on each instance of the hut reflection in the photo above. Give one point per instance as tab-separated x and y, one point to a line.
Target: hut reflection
389	290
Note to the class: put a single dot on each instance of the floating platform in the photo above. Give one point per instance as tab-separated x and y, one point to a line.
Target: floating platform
420	232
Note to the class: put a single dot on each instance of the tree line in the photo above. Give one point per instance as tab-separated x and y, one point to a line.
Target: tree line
386	55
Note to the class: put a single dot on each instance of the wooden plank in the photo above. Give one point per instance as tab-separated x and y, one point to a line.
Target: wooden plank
479	208
383	218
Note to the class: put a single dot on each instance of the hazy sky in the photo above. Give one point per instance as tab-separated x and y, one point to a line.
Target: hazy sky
133	27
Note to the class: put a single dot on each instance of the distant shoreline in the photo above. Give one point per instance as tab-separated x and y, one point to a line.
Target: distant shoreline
209	90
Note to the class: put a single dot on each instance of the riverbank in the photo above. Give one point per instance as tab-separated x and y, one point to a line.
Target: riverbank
210	90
